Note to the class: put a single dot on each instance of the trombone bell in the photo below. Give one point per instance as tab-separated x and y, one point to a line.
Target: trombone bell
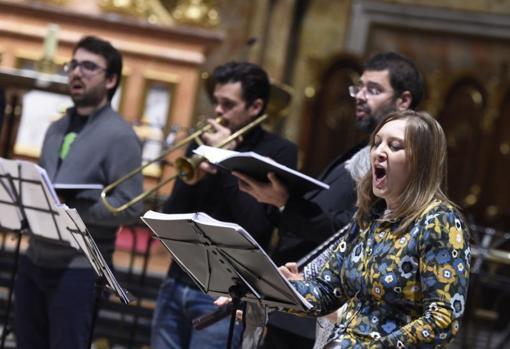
187	168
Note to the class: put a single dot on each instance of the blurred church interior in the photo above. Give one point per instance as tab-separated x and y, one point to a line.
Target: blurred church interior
313	50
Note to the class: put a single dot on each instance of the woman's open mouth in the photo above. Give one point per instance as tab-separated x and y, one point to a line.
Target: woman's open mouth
379	174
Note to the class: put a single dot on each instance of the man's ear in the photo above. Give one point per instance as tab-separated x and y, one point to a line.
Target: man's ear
256	106
404	101
111	81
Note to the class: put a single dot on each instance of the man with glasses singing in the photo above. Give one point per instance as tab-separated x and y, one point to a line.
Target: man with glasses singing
90	144
389	82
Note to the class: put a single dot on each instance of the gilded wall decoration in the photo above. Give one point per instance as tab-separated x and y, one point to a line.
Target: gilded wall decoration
196	12
151	10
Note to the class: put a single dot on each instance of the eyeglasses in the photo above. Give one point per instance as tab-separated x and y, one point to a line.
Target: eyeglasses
370	91
87	68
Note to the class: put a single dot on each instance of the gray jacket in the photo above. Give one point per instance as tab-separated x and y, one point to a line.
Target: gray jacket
105	150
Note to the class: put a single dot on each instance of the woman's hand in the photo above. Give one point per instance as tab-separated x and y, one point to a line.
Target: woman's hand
291	272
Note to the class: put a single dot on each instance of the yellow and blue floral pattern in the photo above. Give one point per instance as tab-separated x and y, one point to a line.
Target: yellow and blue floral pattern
403	290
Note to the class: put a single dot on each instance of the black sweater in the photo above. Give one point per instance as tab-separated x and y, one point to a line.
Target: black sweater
219	196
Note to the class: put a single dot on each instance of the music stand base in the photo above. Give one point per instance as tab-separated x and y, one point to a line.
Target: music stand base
100	287
6	329
236	293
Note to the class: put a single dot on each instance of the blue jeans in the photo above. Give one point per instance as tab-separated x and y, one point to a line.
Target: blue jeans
53	307
177	305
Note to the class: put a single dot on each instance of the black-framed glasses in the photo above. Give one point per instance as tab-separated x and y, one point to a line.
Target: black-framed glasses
87	68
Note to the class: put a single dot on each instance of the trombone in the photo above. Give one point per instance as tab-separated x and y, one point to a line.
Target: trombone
186	167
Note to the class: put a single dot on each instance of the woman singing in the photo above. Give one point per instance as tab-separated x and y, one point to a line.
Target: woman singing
402	270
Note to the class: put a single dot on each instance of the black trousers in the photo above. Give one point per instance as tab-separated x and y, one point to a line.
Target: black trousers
53	307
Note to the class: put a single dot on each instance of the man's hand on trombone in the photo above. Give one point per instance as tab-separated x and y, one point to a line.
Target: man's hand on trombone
219	134
213	139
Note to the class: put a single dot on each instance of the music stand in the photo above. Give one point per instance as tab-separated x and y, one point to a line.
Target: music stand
28	206
486	242
310	265
105	277
17	226
224	260
32	207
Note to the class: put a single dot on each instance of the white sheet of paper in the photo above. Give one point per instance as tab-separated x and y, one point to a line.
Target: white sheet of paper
38	199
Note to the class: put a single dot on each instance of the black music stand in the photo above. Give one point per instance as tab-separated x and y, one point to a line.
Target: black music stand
486	242
7	186
28	206
105	277
32	207
224	260
310	265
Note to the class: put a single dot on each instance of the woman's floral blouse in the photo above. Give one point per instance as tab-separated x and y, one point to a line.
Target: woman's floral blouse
403	290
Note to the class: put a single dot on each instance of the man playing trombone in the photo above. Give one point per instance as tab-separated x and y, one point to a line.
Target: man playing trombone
240	96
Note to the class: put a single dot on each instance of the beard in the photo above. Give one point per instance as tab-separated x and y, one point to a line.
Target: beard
89	97
372	118
367	124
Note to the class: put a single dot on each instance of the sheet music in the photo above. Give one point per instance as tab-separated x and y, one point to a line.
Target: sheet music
257	166
11	216
197	216
48	184
45	214
94	256
77	186
219	254
79	235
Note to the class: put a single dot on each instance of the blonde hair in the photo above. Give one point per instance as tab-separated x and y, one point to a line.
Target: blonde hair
426	152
